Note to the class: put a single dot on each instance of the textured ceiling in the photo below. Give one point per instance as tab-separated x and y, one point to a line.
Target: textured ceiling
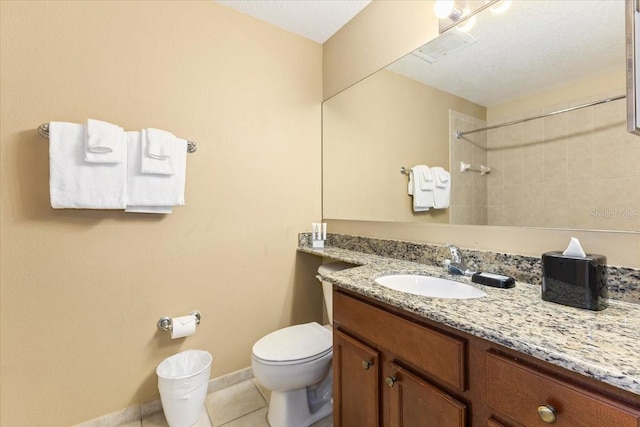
314	19
534	46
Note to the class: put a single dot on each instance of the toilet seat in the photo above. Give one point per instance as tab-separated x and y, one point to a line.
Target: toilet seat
294	345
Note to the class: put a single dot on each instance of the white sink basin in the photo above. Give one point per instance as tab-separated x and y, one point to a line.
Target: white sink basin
430	286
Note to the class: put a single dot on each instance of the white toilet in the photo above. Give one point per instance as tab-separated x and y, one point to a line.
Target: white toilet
295	364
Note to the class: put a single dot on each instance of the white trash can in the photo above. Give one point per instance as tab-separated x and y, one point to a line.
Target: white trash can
182	380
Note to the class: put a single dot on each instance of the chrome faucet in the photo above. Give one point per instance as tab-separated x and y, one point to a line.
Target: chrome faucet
456	256
456	264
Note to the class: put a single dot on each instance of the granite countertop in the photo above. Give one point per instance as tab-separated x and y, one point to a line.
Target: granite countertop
604	345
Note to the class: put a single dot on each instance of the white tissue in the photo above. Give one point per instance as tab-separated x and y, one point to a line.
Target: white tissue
574	249
183	326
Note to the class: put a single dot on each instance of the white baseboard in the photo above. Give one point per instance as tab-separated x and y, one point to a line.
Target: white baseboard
143	410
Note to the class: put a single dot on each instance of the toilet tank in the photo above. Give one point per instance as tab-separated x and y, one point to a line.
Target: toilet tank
327	288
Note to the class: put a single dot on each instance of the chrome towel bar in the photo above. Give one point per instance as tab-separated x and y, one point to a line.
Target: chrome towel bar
43	130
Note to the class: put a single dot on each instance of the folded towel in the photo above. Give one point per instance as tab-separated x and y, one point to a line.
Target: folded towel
410	185
154	191
422	188
442	191
74	183
159	151
426	179
105	143
441	177
149	209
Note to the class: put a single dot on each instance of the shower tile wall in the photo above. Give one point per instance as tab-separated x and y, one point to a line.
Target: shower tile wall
577	170
468	204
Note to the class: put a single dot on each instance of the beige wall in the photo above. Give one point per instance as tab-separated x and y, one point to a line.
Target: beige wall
384	122
608	83
82	290
380	34
619	247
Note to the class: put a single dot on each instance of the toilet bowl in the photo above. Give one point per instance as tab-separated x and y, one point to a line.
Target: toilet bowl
288	362
295	364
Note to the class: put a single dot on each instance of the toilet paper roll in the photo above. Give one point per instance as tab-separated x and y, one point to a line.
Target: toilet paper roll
183	326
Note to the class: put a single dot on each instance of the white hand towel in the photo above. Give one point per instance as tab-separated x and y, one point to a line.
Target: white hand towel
442	188
441	176
422	198
158	151
74	183
149	209
105	143
154	191
427	180
423	178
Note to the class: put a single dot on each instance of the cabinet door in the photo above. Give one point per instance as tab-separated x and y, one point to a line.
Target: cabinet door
355	383
415	402
493	423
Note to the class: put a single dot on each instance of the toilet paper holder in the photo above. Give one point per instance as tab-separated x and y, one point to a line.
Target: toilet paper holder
164	324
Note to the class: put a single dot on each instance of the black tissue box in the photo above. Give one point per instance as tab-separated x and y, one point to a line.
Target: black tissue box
574	281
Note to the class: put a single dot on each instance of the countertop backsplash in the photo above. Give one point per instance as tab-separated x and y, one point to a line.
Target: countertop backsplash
623	283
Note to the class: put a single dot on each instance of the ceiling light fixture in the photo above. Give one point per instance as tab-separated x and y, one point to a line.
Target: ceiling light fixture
501	7
468	24
453	14
447	9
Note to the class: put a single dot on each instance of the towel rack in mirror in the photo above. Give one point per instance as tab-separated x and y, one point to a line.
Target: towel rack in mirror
43	130
467	167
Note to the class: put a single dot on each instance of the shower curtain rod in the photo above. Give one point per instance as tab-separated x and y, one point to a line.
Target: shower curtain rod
459	134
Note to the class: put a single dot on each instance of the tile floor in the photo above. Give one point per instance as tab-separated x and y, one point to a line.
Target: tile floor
240	405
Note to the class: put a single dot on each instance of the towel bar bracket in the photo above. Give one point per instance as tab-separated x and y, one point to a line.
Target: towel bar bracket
43	130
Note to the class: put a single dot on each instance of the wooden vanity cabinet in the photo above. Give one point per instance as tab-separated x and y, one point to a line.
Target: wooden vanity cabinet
377	386
532	397
393	368
413	401
356	374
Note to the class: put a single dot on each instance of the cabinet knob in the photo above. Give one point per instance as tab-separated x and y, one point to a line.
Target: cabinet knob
366	364
391	381
548	414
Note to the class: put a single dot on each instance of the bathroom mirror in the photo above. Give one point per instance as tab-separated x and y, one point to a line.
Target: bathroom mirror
578	169
632	26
